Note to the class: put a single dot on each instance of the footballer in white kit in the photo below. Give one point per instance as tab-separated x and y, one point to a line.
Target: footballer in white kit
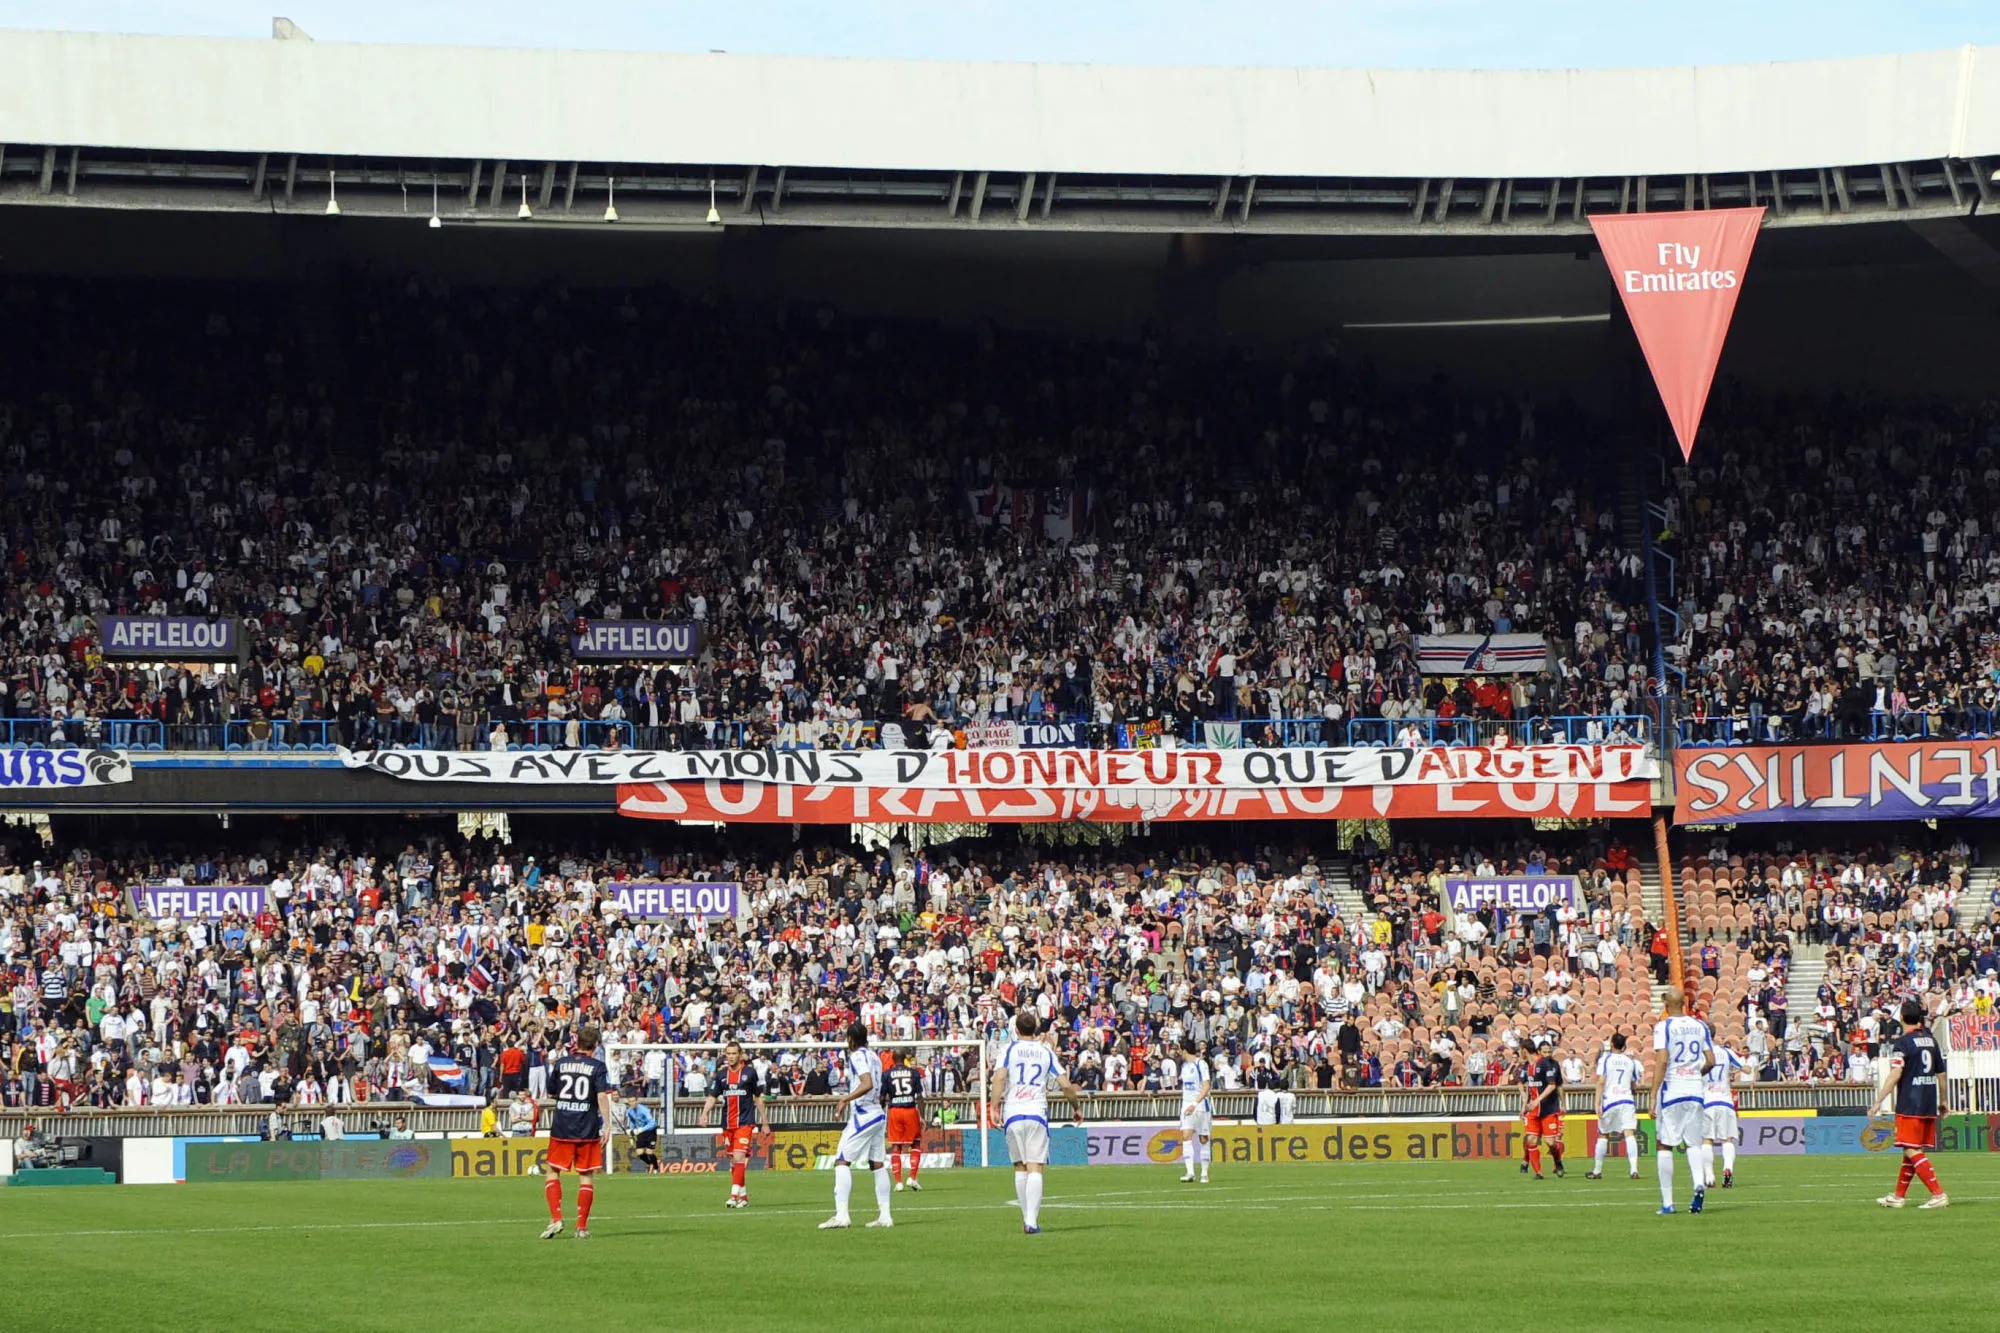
1617	1106
865	1139
1197	1124
1718	1108
1020	1093
1682	1054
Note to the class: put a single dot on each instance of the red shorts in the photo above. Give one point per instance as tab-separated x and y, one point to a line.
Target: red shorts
737	1140
1916	1131
906	1127
1549	1126
576	1155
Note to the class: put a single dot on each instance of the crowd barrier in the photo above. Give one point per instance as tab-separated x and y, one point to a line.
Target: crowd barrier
226	1145
283	735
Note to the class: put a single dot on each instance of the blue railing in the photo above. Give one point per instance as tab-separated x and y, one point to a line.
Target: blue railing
319	735
1761	728
1376	731
99	733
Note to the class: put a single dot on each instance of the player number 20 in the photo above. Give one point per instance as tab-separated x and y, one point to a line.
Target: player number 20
575	1088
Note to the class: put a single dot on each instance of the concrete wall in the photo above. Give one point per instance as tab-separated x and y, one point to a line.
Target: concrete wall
347	99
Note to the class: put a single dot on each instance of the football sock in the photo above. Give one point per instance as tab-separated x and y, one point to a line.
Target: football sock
736	1170
1535	1159
1556	1154
1927	1173
1032	1212
1021	1193
1665	1159
553	1191
843	1188
916	1160
1188	1150
1706	1177
584	1194
1207	1150
882	1187
1903	1177
1632	1150
1603	1146
1729	1155
896	1165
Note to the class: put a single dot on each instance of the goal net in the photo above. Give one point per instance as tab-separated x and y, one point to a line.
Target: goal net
679	1076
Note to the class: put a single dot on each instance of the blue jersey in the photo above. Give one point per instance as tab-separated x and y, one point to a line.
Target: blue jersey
1923	1068
575	1082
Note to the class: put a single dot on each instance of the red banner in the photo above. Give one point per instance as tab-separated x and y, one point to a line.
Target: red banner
1867	780
1679	274
776	803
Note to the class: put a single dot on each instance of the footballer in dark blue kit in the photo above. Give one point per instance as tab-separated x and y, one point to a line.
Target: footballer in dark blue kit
1912	1075
580	1087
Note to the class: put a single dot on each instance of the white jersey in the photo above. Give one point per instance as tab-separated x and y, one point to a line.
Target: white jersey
1031	1067
1194	1073
1686	1041
1619	1072
1720	1091
865	1110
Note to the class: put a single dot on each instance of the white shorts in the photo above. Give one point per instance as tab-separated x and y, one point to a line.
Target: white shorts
1721	1124
1028	1143
1197	1121
1679	1124
865	1144
1618	1120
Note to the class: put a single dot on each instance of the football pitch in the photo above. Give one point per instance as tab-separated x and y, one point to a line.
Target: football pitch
1799	1243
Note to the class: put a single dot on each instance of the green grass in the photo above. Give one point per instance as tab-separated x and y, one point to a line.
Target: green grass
1798	1243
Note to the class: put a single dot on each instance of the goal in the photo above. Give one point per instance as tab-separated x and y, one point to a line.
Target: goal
668	1079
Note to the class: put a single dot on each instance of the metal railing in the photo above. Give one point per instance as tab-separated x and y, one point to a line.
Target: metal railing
1448	1103
240	1121
1760	728
1566	729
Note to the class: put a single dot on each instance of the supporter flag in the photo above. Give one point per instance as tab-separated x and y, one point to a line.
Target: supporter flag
447	1070
479	978
1679	275
1481	654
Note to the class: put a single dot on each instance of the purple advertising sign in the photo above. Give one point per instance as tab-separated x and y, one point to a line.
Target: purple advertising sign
210	901
625	640
655	899
1516	893
184	638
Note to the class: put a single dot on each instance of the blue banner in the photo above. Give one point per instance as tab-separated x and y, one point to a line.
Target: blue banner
168	638
638	640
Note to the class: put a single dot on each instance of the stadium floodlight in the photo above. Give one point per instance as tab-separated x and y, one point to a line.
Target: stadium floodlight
714	218
332	200
611	200
525	212
436	221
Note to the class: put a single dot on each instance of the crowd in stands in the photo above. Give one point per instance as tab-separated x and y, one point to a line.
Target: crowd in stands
1889	920
372	969
870	521
1838	571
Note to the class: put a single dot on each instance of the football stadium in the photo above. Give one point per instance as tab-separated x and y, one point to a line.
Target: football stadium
700	690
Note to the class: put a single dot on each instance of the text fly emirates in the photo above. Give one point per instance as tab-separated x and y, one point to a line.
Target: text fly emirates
1683	272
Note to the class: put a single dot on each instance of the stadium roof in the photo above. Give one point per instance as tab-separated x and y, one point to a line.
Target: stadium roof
174	117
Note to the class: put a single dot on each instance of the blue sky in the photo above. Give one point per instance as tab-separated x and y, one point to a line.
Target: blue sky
1408	33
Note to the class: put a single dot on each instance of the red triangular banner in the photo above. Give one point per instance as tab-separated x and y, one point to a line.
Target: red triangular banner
1679	274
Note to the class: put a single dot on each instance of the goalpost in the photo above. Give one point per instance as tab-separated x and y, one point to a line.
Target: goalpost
617	1054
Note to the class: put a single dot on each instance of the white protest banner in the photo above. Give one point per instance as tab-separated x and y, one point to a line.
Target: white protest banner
1022	769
